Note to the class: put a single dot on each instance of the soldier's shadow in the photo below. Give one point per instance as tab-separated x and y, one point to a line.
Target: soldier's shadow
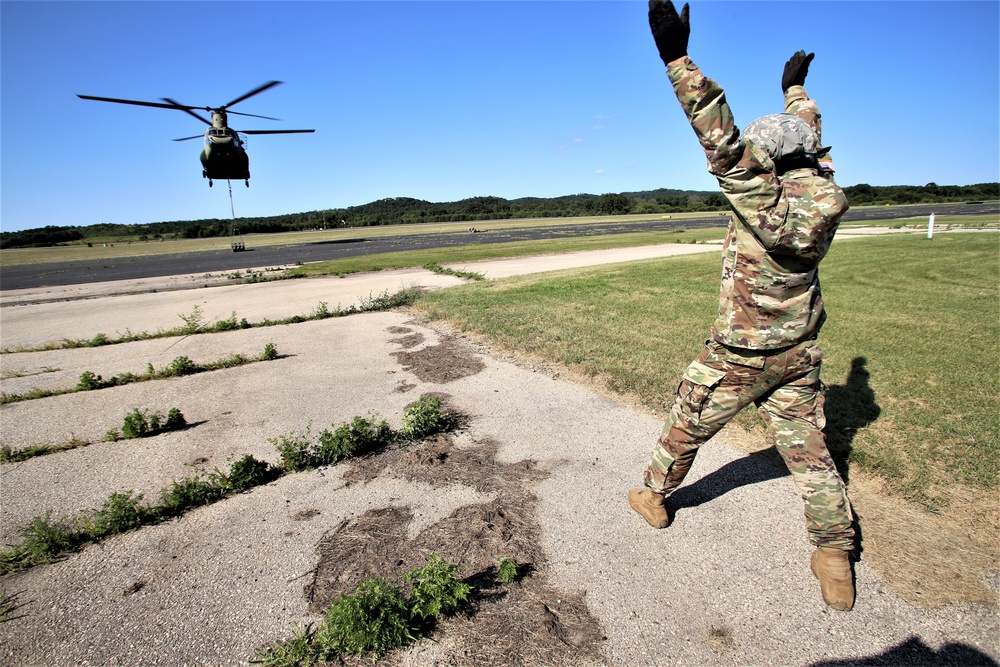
849	408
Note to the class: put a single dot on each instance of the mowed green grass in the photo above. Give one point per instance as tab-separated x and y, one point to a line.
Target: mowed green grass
917	320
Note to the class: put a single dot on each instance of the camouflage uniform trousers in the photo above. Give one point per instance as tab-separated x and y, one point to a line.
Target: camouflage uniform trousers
785	386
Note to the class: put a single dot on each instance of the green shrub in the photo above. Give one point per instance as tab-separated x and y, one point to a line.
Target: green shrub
189	492
180	366
375	620
366	435
142	423
119	513
175	420
294	450
248	472
270	352
436	591
424	418
89	381
135	424
507	570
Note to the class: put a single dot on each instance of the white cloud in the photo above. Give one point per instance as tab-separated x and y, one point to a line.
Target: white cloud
578	140
600	172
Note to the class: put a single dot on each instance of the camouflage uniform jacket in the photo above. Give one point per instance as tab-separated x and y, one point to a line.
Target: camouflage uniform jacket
782	227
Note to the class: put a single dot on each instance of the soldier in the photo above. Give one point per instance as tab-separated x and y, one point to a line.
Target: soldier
786	208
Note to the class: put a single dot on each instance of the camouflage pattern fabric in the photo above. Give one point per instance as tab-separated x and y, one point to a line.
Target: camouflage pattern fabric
786	388
782	135
782	227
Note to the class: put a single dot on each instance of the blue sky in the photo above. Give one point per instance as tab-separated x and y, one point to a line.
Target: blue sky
447	100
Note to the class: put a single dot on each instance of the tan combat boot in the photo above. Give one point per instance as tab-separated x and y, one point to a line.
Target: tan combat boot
650	506
833	570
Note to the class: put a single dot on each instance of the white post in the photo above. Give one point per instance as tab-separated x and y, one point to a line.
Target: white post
930	227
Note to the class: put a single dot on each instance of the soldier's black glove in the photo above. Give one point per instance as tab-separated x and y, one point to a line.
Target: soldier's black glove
795	70
670	30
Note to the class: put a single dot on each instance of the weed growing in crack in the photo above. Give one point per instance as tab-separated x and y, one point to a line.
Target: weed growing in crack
142	423
10	455
376	619
194	323
44	539
363	435
180	366
360	437
121	512
8	603
294	652
294	449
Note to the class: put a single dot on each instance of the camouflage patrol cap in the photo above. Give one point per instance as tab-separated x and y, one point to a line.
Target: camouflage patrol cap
782	135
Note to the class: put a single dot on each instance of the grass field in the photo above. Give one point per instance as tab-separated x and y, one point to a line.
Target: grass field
926	323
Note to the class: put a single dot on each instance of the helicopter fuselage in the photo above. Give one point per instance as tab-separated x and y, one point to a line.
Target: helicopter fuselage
224	156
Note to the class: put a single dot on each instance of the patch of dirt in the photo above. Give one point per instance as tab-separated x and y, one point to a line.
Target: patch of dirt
527	622
445	362
930	559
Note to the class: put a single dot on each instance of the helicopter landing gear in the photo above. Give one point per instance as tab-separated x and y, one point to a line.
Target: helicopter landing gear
248	182
210	182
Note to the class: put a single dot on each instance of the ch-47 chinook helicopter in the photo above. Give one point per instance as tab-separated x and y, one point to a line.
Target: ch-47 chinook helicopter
224	156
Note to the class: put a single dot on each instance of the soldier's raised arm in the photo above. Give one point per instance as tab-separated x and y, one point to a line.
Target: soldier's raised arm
797	101
745	178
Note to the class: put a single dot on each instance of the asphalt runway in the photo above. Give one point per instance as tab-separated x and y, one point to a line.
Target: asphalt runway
133	268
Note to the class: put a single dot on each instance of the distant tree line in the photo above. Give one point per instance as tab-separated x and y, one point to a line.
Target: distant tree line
406	210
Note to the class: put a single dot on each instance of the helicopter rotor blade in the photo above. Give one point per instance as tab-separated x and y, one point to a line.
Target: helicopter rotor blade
197	136
186	109
275	131
158	105
259	89
251	115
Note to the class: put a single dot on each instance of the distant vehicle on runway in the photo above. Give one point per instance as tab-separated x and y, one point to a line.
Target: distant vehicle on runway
224	156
